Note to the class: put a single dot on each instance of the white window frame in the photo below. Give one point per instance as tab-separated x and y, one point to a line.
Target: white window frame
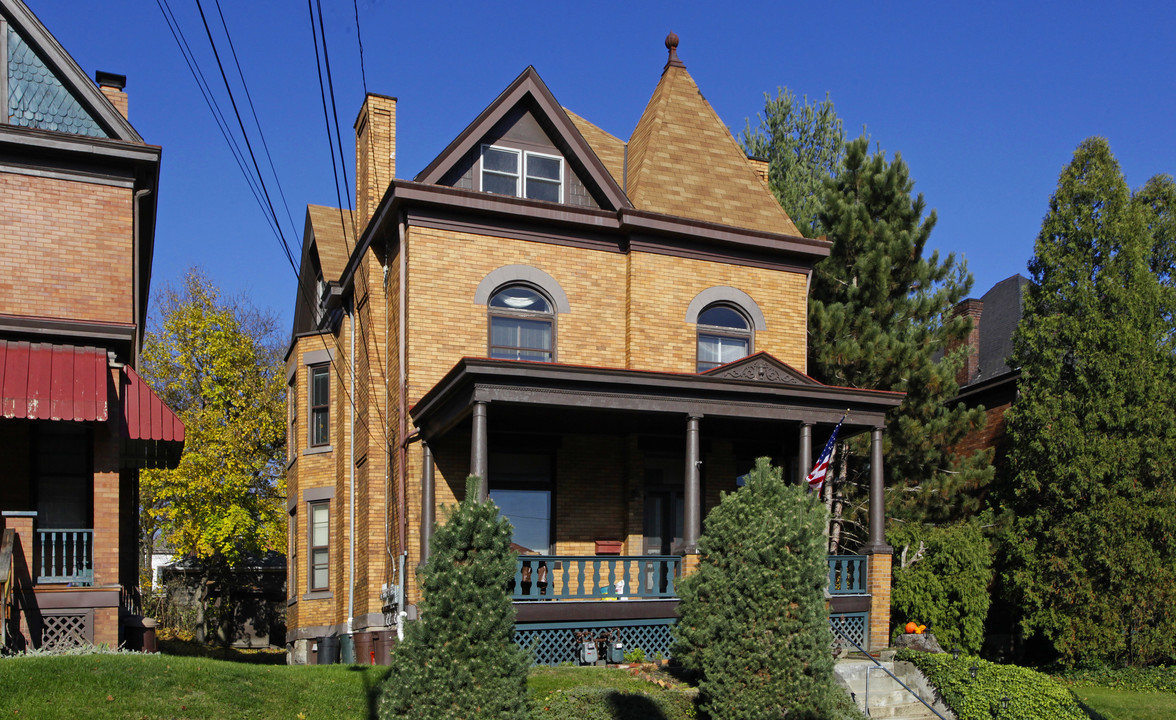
518	167
521	176
527	155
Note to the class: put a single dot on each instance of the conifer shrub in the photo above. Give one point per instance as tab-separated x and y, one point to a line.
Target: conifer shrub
753	625
459	660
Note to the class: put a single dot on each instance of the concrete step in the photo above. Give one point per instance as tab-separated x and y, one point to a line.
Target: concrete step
902	711
886	697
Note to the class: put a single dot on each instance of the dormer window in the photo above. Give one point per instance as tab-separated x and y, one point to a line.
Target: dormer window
518	173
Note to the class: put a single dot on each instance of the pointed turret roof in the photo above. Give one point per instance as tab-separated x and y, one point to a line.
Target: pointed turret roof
684	161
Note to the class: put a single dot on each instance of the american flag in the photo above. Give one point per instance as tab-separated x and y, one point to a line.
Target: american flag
816	477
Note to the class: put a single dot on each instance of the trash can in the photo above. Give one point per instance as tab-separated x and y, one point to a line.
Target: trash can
312	652
385	640
328	650
347	649
365	648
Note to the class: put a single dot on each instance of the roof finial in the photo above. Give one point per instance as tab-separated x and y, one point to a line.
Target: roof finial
672	46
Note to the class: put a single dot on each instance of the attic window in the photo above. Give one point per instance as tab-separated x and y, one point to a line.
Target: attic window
540	178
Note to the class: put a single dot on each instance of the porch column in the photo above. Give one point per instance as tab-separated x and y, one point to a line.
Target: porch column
428	500
693	498
805	454
879	553
479	451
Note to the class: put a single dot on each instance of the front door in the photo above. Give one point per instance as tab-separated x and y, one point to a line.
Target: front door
664	513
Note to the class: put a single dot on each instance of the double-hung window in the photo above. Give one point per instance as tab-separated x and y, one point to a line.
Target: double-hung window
724	335
522	325
320	405
320	545
522	173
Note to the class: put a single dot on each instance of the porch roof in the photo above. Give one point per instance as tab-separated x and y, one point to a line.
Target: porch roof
40	381
758	387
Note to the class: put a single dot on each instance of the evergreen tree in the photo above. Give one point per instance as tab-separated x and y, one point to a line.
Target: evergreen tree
804	145
753	624
1092	545
879	317
459	660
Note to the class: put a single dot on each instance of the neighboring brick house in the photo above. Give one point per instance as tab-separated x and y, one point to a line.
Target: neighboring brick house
607	332
77	224
986	379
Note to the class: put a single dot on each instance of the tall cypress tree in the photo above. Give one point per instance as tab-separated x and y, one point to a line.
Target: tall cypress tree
879	317
460	660
1092	487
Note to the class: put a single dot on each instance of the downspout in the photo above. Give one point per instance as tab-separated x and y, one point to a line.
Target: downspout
402	408
135	284
351	472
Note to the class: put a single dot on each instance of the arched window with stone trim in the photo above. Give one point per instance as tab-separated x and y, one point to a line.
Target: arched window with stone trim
522	324
726	319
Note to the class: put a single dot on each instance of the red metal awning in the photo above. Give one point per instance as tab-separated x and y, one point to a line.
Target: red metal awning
146	416
39	381
154	436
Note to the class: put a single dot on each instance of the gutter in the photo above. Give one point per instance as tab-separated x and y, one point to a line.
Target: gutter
351	498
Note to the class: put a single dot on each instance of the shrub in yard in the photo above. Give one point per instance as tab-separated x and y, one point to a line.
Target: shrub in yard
753	624
1031	695
941	579
460	660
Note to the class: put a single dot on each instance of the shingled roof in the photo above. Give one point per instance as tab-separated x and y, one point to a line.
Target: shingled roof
609	148
684	161
334	236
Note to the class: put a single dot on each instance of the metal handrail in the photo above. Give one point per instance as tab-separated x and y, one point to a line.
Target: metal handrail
839	631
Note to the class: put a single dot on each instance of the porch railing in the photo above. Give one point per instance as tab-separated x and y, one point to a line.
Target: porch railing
596	577
847	574
65	556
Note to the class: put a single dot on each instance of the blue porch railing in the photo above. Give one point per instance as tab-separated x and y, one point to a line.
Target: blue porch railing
847	574
66	556
596	577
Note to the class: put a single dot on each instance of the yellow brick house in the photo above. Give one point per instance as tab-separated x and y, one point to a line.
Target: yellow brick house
607	332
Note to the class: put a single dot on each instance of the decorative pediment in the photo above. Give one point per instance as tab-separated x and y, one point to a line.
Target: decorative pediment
762	368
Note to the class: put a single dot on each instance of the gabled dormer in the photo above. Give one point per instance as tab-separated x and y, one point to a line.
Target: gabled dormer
42	87
525	145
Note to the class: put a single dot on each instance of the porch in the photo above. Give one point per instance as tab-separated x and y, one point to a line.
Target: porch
607	476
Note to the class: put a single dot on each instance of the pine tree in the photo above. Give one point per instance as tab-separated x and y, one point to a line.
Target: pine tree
879	318
1092	489
804	145
459	660
753	624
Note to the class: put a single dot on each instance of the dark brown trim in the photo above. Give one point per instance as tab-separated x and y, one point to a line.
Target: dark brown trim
555	385
983	386
51	598
640	220
527	230
21	137
849	603
120	332
594	610
690	250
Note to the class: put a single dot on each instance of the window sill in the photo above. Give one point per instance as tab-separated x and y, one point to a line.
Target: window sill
291	602
318	450
291	461
319	595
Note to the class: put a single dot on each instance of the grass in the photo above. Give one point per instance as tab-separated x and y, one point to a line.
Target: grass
159	686
147	687
1119	704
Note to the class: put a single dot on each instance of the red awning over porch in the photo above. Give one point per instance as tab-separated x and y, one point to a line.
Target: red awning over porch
153	435
39	381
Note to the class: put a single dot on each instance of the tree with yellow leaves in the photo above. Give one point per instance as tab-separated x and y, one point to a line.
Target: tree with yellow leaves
218	364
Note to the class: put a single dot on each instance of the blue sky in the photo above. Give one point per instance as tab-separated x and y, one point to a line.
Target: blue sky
986	101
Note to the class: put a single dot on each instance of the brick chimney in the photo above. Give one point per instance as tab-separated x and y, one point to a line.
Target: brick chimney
375	154
974	309
111	85
761	167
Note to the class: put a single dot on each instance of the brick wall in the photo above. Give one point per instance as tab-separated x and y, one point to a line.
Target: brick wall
67	250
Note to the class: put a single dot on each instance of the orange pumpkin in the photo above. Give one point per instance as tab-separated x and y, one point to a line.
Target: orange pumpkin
911	628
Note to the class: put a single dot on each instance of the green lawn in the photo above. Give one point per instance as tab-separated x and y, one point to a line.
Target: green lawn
146	687
1119	704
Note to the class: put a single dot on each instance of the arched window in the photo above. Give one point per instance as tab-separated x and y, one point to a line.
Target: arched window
724	335
522	324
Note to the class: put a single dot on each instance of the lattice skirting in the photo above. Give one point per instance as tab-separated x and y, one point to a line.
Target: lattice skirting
555	643
855	625
72	628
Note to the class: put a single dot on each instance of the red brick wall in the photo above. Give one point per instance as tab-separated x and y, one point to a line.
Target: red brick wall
67	249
